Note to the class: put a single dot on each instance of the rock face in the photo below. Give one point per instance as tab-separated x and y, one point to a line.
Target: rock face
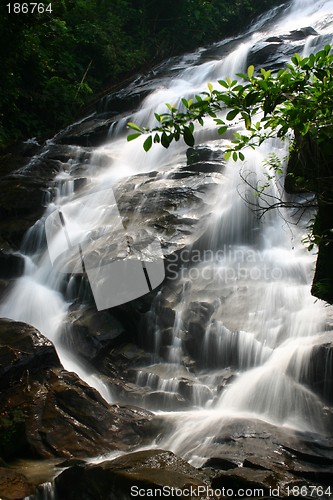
159	203
48	412
28	182
145	471
13	485
273	51
244	455
318	374
11	266
256	455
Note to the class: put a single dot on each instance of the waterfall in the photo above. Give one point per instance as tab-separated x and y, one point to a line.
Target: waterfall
257	276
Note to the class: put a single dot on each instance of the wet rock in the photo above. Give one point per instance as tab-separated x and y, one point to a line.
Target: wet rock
272	52
71	462
274	39
24	352
267	457
126	99
149	470
200	167
90	132
17	156
245	478
220	463
196	319
48	412
92	333
148	398
4	285
165	401
38	471
301	33
21	204
317	372
64	153
13	485
154	202
11	266
27	186
200	154
121	361
161	386
204	159
62	416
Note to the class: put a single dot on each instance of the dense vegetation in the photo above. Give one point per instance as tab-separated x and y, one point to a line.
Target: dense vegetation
52	62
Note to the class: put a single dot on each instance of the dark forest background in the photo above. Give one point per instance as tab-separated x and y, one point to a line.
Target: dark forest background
54	64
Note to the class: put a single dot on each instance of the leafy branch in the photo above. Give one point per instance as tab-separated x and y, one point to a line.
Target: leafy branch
296	98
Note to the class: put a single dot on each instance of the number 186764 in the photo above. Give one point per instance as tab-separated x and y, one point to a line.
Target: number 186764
28	8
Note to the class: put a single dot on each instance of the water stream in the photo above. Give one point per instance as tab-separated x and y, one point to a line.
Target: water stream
265	318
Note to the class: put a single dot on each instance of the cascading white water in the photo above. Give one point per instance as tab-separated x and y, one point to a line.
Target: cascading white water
271	321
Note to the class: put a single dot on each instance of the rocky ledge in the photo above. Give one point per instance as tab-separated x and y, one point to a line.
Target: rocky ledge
49	412
245	456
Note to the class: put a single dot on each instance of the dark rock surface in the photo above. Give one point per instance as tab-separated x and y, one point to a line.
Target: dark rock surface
317	373
24	352
92	334
265	445
27	184
149	471
249	455
92	131
156	202
21	204
13	485
49	412
272	52
11	266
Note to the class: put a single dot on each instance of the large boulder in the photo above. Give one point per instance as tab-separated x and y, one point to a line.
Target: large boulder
11	266
13	485
92	333
21	205
27	184
144	473
24	353
245	455
317	373
49	412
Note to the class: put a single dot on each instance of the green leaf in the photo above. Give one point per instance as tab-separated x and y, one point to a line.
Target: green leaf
165	141
247	120
242	75
134	126
232	114
250	71
210	87
234	156
222	130
241	156
227	155
131	137
148	143
188	136
223	84
296	59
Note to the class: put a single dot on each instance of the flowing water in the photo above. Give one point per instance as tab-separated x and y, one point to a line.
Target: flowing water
258	274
